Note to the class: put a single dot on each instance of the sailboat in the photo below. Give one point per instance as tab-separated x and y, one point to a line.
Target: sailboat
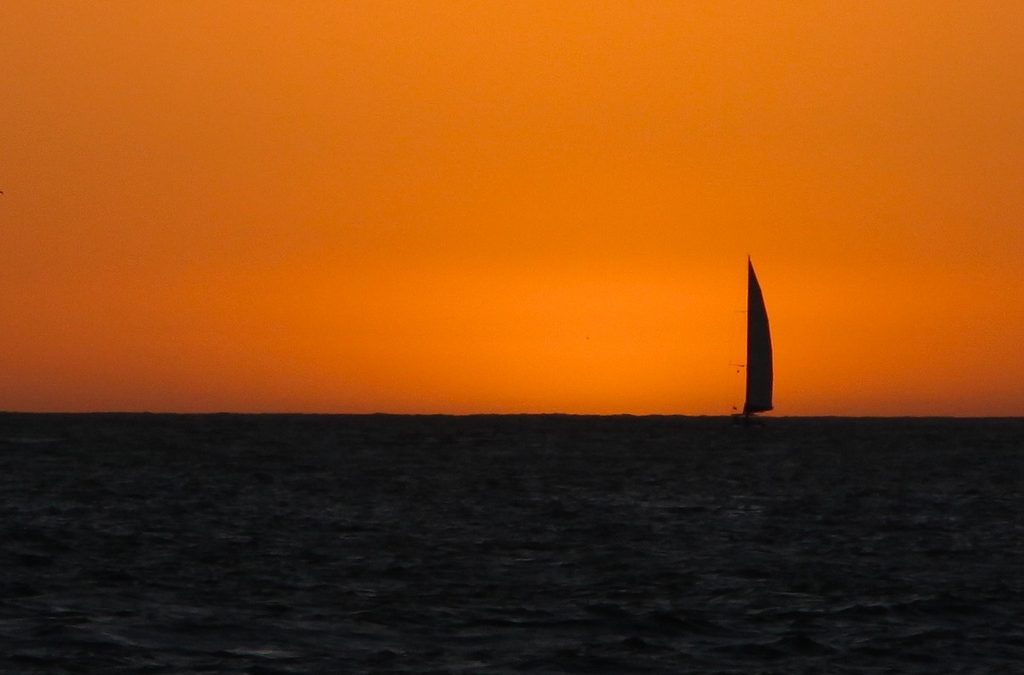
759	349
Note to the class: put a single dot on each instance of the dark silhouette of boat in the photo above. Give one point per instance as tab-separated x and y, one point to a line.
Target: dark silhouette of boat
759	350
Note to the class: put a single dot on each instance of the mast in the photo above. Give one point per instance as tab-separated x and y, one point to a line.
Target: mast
759	349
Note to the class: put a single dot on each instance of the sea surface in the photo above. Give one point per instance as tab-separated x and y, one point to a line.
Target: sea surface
510	544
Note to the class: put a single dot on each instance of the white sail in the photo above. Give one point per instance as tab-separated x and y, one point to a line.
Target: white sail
759	349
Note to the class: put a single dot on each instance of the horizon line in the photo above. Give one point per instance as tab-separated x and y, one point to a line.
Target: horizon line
383	413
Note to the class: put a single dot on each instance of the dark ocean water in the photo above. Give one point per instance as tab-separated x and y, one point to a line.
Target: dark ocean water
511	544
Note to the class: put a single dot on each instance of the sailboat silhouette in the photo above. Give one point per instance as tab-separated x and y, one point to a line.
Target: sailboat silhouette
759	349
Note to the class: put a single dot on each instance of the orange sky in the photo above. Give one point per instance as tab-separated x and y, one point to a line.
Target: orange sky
510	207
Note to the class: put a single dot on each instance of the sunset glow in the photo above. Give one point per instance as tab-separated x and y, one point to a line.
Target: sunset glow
464	207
